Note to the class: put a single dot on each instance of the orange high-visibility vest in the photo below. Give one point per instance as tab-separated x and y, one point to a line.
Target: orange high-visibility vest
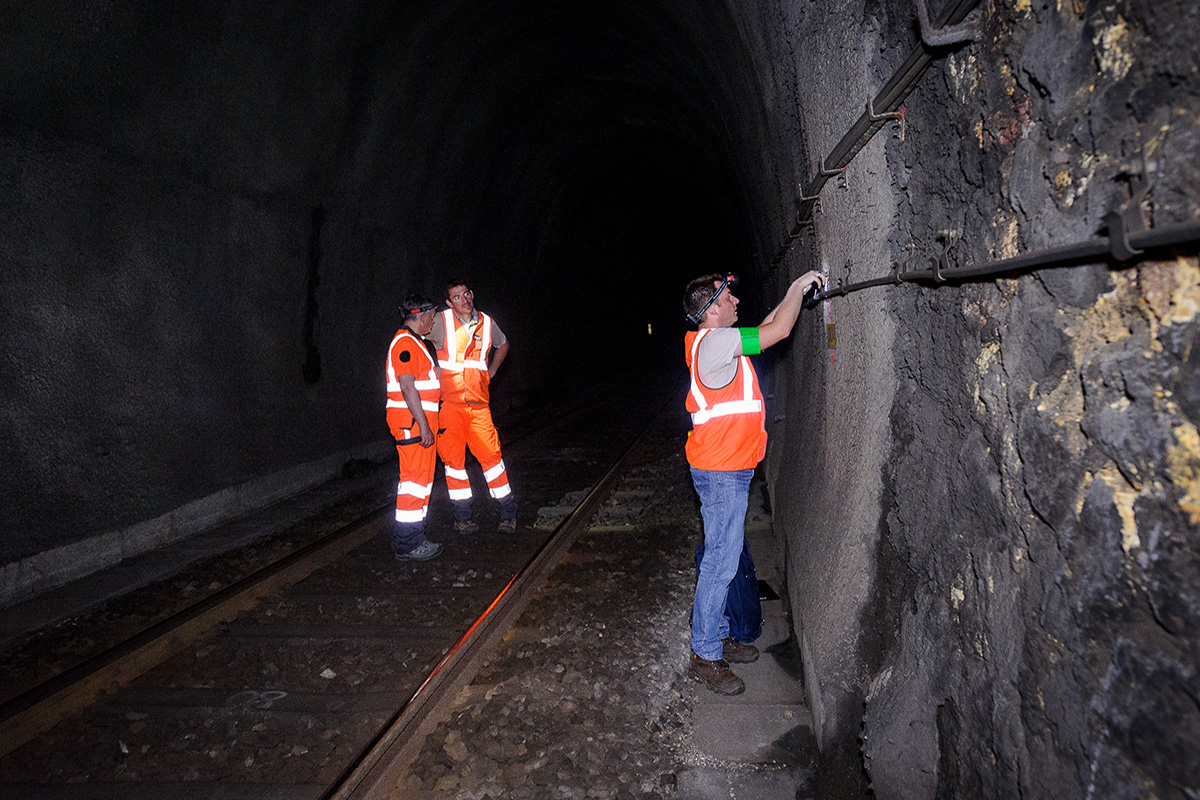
463	359
427	383
728	424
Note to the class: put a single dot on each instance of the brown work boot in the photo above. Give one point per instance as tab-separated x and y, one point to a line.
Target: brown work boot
737	652
716	675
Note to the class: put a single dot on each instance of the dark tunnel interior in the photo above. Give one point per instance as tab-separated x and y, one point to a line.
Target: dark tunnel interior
211	211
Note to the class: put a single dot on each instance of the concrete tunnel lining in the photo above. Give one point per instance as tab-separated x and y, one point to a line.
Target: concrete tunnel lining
978	485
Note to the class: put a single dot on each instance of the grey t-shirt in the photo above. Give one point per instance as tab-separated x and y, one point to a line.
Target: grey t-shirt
437	337
717	358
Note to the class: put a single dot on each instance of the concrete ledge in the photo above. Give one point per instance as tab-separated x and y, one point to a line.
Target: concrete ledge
39	573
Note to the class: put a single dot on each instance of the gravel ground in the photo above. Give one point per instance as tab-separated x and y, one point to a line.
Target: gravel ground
587	696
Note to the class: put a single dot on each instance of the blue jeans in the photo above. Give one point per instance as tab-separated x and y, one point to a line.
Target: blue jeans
724	498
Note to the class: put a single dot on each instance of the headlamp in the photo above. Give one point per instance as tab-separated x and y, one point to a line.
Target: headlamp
421	309
730	280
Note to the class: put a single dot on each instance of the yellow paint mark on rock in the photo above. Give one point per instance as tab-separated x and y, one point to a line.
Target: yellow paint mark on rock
1023	6
1183	468
1113	45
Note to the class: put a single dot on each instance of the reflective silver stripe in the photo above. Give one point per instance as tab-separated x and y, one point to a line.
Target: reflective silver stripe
727	409
491	474
450	339
460	474
411	515
747	405
460	494
501	491
451	325
413	489
430	380
695	389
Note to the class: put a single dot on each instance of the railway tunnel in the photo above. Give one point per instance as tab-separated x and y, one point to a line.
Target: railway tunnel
986	484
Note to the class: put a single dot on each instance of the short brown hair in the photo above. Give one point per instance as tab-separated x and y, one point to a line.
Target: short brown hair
699	292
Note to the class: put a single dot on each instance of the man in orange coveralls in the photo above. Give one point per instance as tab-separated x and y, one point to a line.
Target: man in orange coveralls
464	338
413	391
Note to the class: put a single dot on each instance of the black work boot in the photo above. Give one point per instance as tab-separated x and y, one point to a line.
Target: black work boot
716	675
737	652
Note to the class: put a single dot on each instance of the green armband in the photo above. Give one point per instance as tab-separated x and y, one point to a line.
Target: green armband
750	344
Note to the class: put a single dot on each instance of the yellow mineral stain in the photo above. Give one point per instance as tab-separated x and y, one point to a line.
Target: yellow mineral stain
1123	497
988	354
979	133
1113	45
1022	6
956	596
1103	323
1183	468
1008	247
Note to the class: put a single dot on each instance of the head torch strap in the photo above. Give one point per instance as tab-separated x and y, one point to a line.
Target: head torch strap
730	280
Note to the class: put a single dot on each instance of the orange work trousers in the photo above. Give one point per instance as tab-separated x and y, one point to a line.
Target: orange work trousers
417	465
469	425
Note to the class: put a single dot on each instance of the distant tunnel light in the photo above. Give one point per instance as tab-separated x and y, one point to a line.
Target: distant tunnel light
649	329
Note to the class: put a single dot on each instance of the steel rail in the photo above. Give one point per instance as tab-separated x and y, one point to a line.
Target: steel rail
41	707
384	761
1073	255
887	101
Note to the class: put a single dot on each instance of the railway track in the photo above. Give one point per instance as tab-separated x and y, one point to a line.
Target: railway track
317	675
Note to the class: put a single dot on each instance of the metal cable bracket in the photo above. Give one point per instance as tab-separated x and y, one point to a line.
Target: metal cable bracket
942	262
966	31
897	116
901	268
1128	219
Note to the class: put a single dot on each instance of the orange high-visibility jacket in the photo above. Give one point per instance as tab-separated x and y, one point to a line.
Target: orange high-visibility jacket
463	359
421	367
728	424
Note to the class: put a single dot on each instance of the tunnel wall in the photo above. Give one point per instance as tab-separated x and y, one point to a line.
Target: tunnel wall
989	491
187	277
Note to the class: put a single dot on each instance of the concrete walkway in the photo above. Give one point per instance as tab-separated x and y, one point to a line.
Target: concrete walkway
758	745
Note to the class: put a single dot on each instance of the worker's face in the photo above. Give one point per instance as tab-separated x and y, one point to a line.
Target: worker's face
724	310
423	322
462	300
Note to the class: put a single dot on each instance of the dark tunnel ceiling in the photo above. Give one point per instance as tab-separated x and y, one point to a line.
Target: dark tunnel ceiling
589	137
552	141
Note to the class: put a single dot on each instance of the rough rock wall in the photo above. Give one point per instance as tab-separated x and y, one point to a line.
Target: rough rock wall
998	594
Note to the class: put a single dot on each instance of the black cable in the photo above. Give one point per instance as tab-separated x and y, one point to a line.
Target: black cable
1079	254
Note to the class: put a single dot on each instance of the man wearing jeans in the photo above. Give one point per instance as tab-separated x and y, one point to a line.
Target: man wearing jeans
728	439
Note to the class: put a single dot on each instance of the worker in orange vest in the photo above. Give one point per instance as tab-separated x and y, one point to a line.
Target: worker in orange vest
413	392
727	440
470	348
